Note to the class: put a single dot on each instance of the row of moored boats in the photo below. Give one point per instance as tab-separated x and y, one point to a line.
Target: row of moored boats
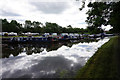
52	38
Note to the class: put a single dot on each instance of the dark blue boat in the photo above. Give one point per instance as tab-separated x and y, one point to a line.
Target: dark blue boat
29	39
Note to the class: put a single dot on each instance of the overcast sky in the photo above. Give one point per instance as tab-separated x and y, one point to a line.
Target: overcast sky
62	12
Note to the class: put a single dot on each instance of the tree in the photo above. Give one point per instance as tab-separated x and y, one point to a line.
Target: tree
13	26
52	28
36	24
104	13
28	24
5	25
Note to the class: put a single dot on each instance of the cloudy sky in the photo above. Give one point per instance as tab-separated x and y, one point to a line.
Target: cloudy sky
61	12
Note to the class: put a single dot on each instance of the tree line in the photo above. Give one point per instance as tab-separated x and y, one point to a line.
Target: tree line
38	27
101	13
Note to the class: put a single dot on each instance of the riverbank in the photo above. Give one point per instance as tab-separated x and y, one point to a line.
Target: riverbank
104	63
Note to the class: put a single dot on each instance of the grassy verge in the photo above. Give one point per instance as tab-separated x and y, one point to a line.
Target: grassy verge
104	63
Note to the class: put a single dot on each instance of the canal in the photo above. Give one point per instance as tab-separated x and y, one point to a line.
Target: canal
54	60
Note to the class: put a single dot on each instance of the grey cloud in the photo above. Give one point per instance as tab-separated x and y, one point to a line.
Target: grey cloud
51	7
8	13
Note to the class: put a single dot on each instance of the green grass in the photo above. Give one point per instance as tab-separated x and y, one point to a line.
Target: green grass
104	63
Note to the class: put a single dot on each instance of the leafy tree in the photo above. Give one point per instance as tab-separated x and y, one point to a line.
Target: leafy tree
103	13
52	28
28	24
13	26
36	26
5	25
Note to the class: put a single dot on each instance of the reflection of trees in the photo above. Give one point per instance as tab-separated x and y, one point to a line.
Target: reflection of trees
33	49
53	46
16	49
11	49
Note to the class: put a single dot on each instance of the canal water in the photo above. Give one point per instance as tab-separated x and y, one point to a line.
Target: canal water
55	60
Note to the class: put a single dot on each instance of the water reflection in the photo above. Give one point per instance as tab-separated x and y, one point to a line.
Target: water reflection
16	49
46	60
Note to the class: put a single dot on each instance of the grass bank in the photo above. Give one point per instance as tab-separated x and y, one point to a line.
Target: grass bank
105	63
